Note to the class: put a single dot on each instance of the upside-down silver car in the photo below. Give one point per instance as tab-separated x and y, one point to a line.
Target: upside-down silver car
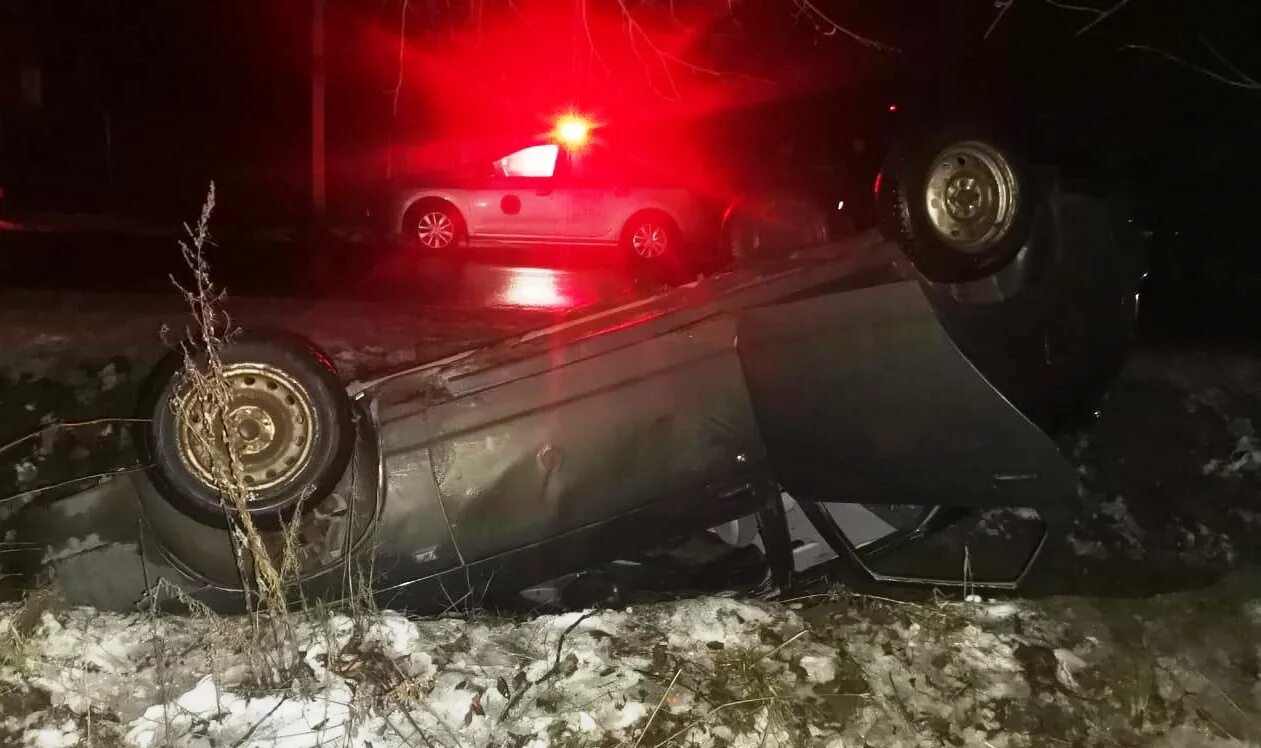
859	374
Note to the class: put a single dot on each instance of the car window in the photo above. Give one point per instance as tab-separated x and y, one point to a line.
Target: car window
605	166
623	167
537	161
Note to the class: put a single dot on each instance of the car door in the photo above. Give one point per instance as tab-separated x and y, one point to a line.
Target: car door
596	190
519	201
594	448
862	395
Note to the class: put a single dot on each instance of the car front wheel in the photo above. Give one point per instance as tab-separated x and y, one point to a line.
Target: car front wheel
959	201
278	426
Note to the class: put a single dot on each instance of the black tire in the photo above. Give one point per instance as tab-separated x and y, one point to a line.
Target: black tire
297	367
670	264
763	226
970	247
424	211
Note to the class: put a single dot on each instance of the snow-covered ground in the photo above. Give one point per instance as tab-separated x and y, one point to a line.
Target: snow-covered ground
831	670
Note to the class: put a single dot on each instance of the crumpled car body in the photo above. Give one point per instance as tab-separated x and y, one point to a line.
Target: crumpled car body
835	374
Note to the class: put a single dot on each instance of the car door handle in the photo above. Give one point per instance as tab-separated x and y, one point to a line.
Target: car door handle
544	191
621	192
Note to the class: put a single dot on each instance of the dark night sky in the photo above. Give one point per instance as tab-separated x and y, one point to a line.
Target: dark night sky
197	89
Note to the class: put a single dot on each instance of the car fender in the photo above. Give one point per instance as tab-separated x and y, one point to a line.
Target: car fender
403	202
684	208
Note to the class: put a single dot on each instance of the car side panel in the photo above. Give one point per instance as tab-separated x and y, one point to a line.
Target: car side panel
413	540
519	208
863	396
598	438
591	212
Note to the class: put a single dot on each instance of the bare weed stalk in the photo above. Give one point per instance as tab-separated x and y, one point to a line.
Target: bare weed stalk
204	404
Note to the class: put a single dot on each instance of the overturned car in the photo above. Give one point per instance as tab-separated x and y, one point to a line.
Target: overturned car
921	373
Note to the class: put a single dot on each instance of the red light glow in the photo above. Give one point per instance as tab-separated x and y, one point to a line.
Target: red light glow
572	131
535	288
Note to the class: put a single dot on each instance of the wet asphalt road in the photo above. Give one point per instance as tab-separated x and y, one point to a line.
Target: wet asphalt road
347	266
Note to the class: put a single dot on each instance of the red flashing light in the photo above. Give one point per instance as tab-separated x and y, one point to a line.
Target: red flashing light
893	107
572	131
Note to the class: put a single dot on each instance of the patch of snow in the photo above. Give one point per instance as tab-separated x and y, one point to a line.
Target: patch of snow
73	547
997	522
1248	516
1185	736
721	672
65	736
819	669
714	620
1086	547
995	611
48	339
1066	664
1245	458
386	680
26	472
1130	531
109	377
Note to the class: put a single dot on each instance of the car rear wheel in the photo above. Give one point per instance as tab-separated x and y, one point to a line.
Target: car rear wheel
281	430
959	202
762	226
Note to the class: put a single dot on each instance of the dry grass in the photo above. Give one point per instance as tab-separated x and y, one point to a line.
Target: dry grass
268	566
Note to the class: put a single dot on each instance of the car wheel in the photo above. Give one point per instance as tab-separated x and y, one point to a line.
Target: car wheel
766	225
287	418
960	203
652	242
434	226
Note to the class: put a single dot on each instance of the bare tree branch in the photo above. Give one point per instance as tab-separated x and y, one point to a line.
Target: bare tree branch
1227	63
633	29
1103	16
73	481
586	25
1100	14
821	19
59	425
402	47
1003	6
1070	6
1243	81
640	41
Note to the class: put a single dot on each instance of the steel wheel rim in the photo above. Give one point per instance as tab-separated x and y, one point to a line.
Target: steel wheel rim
971	195
435	230
270	420
650	241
